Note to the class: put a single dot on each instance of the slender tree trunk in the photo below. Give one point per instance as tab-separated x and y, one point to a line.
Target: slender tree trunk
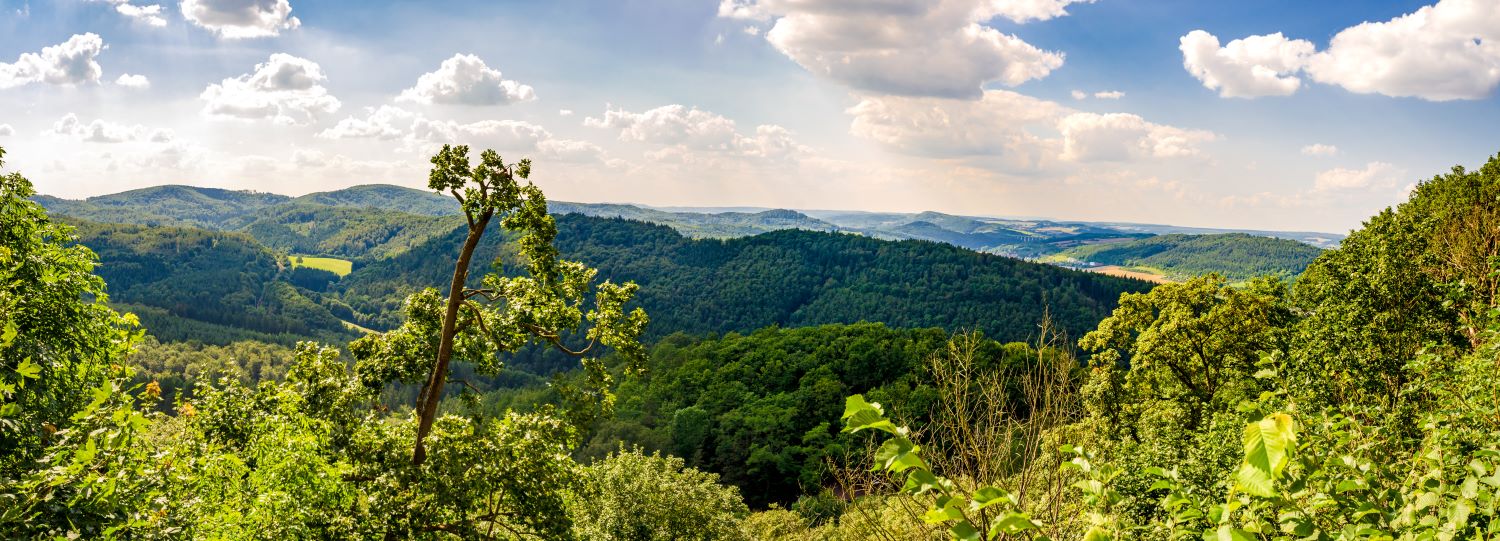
432	392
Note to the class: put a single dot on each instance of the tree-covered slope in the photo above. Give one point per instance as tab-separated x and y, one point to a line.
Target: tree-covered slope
212	208
787	278
193	284
346	232
1237	256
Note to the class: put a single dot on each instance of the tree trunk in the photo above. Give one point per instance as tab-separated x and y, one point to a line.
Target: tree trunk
432	392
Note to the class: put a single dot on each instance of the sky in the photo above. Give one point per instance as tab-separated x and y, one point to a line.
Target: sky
1280	115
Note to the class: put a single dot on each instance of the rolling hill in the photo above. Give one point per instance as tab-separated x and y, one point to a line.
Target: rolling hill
1237	256
785	278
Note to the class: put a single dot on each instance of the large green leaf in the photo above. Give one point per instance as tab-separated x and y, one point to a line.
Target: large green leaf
1266	454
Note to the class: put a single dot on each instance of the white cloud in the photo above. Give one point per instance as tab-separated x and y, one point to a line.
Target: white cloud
73	62
285	88
464	79
6	130
1446	51
238	19
918	48
150	14
1375	175
1246	68
1002	124
1090	137
1016	132
423	135
669	125
387	122
1079	95
1319	149
564	112
752	30
102	131
133	81
688	134
1022	11
1109	94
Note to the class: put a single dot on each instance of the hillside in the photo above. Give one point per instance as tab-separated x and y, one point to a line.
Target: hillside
346	232
1237	256
786	278
208	286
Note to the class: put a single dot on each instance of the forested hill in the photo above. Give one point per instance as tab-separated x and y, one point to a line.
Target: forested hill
786	278
1236	256
207	286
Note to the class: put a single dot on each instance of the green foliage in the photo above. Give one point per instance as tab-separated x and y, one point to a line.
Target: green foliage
58	337
634	496
347	232
1237	256
786	278
983	513
213	278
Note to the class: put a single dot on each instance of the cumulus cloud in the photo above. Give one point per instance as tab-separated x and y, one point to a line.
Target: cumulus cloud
284	88
918	48
385	122
1375	175
150	14
464	79
1001	123
1319	149
1090	137
564	112
73	62
421	134
669	125
1246	68
1109	95
1079	95
133	81
6	130
1013	131
102	131
238	19
681	133
1446	51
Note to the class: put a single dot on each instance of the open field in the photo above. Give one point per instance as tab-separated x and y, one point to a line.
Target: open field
1115	270
341	267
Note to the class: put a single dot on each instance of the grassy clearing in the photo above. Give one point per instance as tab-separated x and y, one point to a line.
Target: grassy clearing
340	267
1136	273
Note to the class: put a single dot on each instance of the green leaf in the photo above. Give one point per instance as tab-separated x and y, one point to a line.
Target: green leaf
1012	523
860	415
920	481
8	335
29	369
947	509
1266	445
1226	533
963	531
898	454
986	497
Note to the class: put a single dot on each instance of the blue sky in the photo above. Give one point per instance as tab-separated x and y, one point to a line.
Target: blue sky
1271	115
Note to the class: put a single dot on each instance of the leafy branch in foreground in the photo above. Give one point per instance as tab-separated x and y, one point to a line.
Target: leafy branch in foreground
963	511
547	306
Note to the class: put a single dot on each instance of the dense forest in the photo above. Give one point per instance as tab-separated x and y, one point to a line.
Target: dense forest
787	278
1358	402
1237	256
